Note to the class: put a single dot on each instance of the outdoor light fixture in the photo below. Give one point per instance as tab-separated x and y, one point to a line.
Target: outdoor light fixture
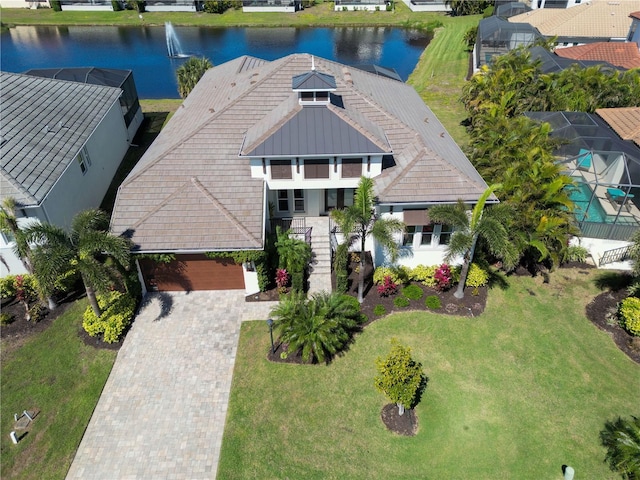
270	323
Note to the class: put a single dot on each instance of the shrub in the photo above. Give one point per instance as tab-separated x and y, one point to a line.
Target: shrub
354	305
388	287
117	313
282	279
379	310
6	318
8	286
399	275
401	302
477	276
629	313
443	277
213	6
424	275
412	292
37	312
433	302
56	6
115	4
389	6
340	267
576	253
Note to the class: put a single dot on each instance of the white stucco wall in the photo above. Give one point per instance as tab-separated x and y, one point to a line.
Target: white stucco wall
76	191
281	8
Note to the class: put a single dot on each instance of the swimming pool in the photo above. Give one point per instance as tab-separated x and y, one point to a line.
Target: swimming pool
580	194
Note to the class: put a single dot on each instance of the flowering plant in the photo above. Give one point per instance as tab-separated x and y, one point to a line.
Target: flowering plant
282	278
443	277
388	287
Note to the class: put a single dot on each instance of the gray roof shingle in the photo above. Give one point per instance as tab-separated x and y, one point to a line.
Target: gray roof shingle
44	123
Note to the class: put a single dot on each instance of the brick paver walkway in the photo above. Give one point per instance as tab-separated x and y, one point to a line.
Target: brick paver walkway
161	414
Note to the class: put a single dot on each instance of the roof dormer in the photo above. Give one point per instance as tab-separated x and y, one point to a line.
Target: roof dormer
313	87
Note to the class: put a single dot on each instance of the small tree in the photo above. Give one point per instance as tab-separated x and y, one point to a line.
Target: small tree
294	255
622	440
399	376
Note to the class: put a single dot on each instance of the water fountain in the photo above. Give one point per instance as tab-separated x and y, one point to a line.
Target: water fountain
174	49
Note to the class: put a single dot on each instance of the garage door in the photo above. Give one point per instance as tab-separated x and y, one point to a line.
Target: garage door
192	272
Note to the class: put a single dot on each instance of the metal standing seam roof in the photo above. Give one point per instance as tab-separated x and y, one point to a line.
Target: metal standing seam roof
44	123
192	191
313	81
595	19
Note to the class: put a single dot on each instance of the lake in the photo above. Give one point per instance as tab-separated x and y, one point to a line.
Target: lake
144	49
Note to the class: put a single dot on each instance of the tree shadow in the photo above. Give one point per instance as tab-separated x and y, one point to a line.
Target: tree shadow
424	380
498	279
613	280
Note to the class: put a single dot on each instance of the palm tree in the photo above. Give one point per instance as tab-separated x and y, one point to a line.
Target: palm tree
82	248
360	220
622	440
9	226
190	73
294	256
489	224
318	328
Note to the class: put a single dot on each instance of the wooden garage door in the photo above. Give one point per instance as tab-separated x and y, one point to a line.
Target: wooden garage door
192	272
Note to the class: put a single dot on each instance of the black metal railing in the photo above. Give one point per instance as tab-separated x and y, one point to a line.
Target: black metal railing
616	255
297	225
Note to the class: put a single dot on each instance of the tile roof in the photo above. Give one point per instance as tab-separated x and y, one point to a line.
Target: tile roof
192	191
625	55
596	19
625	122
44	123
635	15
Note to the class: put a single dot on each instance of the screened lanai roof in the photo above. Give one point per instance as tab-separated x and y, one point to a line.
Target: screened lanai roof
107	77
509	9
594	148
552	63
497	36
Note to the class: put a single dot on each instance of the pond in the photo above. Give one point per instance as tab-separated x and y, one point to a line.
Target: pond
144	49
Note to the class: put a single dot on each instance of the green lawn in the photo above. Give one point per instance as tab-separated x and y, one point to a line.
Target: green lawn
514	393
56	373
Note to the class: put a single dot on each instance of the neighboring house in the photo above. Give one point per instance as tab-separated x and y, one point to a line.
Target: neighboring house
60	145
108	77
556	3
368	5
624	55
428	5
602	155
285	6
260	143
24	4
595	21
634	29
552	63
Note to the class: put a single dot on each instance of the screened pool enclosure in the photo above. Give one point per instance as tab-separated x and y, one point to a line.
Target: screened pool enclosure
606	172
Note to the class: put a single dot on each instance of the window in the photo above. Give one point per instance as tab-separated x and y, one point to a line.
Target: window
316	169
281	169
351	167
338	198
84	160
283	200
430	235
298	200
632	30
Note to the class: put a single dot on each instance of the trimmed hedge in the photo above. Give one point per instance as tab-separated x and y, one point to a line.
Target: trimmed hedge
117	313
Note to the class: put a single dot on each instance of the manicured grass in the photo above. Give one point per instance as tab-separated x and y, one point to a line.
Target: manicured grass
319	15
56	373
514	393
441	72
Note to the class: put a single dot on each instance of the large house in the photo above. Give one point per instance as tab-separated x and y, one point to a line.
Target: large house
61	144
258	143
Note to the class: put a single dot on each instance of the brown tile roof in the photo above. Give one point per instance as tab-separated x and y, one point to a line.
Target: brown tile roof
625	55
596	19
625	122
635	15
192	191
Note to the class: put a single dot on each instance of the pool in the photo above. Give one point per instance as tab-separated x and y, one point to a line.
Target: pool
580	194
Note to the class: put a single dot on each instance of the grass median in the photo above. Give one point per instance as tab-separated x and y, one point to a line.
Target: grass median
514	393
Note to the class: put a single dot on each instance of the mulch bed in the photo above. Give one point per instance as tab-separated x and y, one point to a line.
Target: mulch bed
405	424
602	310
20	329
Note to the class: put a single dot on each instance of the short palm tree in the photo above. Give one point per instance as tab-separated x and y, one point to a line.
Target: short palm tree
190	73
489	224
622	440
83	248
9	226
360	220
318	327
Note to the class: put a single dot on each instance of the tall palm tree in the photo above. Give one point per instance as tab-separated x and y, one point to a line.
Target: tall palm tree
622	440
319	327
190	73
360	220
83	248
9	226
489	224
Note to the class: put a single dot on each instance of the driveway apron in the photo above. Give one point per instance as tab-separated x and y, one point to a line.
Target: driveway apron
161	414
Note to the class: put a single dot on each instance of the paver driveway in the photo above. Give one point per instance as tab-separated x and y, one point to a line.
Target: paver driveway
162	411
